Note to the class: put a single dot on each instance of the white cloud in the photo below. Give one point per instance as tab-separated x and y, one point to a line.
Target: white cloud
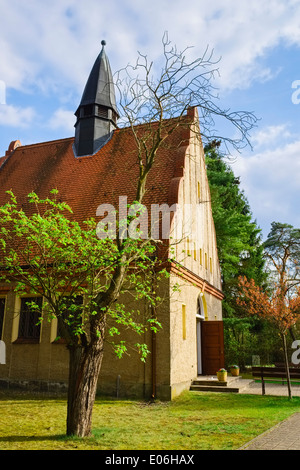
14	116
270	180
16	70
271	136
48	49
60	40
62	119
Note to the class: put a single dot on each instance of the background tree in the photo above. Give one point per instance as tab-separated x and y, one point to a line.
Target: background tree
273	306
153	101
240	251
282	250
280	303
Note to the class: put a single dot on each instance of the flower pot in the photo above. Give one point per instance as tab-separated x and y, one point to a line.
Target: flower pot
222	376
235	371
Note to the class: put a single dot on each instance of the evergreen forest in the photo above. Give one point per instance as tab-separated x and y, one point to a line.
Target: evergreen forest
249	339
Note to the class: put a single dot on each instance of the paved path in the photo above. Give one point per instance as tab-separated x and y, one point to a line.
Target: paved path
283	436
271	389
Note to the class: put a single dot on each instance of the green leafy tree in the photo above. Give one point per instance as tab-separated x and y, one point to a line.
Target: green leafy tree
280	302
46	253
282	254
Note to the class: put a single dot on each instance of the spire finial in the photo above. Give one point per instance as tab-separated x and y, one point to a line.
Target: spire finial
103	43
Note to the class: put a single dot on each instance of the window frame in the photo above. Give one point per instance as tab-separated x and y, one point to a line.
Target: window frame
25	323
2	315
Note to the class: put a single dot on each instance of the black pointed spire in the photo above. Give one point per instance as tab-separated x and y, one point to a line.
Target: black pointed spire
97	112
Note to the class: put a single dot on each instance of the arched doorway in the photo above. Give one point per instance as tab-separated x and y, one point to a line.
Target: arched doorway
210	340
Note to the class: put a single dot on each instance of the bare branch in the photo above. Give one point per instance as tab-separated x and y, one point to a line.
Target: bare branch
148	95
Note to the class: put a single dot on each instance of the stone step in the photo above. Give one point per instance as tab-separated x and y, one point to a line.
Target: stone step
211	384
213	388
215	381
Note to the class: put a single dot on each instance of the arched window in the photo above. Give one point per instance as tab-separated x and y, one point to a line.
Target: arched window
201	307
2	309
102	111
29	323
88	110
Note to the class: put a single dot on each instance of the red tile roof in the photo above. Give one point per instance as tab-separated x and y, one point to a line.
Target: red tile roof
2	160
86	182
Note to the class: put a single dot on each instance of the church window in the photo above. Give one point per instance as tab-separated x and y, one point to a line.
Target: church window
183	321
88	110
2	308
30	313
114	116
188	247
200	256
102	112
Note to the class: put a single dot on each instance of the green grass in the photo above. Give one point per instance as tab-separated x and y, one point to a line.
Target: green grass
204	421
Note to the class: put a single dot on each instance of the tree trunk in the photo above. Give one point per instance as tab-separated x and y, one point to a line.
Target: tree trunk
85	365
286	362
85	361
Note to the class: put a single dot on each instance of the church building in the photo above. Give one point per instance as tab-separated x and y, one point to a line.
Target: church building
98	165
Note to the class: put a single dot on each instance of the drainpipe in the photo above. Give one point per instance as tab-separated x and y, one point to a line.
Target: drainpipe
118	385
153	315
153	364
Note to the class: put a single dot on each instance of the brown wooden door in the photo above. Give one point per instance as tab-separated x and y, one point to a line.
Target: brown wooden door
212	340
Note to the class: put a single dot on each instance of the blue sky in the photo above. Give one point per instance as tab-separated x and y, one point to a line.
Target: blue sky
48	48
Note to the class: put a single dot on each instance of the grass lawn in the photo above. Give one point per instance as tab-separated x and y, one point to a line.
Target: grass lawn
193	421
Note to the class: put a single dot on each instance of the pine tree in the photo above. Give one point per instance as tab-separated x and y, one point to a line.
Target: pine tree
240	249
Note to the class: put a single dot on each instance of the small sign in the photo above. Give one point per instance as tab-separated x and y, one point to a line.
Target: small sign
256	360
2	353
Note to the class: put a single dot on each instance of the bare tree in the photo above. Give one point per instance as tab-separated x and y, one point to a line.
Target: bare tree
163	94
281	303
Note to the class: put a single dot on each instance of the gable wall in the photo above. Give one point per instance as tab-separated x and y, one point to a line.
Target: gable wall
199	272
197	249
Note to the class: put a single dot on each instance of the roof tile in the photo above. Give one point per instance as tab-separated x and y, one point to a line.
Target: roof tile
86	182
